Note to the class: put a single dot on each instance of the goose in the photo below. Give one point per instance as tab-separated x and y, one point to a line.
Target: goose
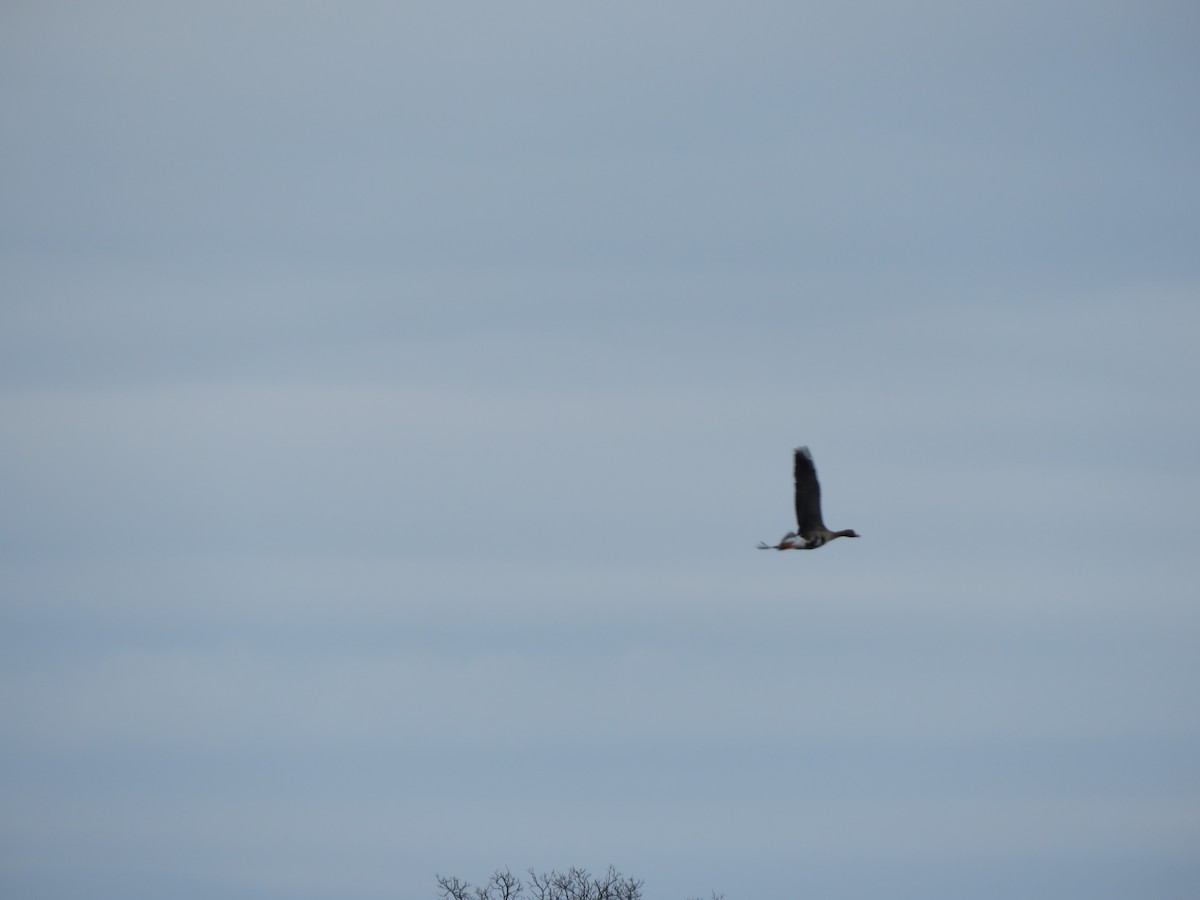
810	532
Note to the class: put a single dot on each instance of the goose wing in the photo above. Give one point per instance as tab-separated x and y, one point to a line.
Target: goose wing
808	493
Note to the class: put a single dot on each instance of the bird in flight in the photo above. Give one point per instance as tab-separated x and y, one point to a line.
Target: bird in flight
810	532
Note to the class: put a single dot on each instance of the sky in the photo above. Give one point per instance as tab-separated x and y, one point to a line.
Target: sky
392	396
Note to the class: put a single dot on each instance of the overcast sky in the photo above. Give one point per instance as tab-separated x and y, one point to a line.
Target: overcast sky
392	396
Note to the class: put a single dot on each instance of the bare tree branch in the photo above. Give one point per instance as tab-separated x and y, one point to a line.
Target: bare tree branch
506	885
452	889
573	884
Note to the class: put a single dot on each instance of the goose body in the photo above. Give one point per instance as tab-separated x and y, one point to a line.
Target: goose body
810	532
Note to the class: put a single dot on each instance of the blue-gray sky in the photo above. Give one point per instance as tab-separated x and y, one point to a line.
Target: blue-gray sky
392	395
